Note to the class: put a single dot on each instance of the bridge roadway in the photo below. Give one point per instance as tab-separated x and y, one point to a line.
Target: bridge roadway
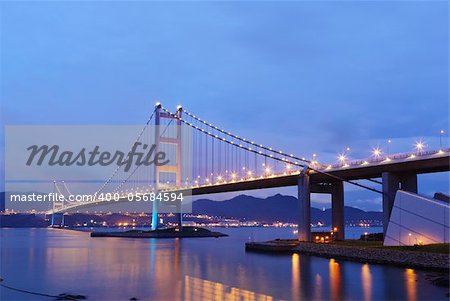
400	172
419	165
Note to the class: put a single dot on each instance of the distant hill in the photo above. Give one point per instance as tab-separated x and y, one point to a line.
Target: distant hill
275	208
2	201
22	221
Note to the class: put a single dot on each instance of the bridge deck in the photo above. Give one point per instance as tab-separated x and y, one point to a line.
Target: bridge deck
430	163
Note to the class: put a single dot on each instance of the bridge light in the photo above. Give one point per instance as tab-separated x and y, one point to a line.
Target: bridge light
267	170
376	152
288	166
342	158
233	175
249	173
158	104
219	178
420	145
179	108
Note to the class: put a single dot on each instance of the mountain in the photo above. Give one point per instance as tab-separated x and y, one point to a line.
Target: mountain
275	208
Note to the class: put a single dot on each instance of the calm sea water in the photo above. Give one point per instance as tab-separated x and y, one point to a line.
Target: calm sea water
63	261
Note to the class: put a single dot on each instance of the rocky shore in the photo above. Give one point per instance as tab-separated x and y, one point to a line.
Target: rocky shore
377	255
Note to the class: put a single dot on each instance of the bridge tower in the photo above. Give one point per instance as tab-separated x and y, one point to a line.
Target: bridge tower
56	207
169	168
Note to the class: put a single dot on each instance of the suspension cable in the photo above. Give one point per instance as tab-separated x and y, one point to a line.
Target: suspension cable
267	149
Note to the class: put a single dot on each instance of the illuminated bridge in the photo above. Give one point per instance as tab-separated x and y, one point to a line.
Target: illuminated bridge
206	159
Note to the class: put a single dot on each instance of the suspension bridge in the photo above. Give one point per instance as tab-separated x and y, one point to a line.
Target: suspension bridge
208	159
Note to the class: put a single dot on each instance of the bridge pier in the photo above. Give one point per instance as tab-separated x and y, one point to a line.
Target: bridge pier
304	204
155	215
54	219
391	183
180	221
305	188
337	210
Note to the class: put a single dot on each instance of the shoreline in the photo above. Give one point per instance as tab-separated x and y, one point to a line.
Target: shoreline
436	262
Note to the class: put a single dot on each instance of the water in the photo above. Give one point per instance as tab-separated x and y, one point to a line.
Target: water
63	261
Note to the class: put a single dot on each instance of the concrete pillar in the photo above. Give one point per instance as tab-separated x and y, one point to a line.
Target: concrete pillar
337	210
155	215
304	204
408	182
179	215
391	183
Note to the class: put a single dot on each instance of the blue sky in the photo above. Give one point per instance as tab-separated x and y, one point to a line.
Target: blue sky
307	77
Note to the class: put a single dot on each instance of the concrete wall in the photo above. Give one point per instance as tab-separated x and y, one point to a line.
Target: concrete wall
416	219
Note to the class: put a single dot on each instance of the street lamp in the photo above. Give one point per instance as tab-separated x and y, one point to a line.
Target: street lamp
376	152
388	144
440	139
342	158
419	146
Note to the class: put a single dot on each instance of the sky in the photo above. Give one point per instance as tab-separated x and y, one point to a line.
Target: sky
304	76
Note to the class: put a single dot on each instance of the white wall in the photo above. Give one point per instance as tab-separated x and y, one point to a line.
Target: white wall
416	219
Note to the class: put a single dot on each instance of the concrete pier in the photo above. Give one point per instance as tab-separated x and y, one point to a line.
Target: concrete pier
337	210
391	183
305	188
304	201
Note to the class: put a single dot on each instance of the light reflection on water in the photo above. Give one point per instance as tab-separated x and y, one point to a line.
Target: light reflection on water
62	261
